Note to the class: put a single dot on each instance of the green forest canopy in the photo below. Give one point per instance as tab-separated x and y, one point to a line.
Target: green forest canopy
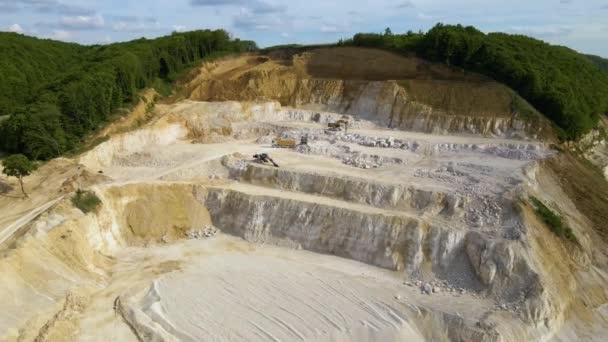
601	63
561	83
56	93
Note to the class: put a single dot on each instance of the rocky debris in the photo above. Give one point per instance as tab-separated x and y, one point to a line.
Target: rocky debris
205	232
143	159
521	151
81	179
354	138
478	184
427	289
265	140
436	287
347	155
361	161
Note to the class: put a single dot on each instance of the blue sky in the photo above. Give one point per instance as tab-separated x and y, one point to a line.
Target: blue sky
579	24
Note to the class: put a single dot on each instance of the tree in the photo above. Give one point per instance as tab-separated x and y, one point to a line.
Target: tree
18	166
388	32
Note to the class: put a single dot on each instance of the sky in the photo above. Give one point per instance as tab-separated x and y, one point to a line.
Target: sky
579	24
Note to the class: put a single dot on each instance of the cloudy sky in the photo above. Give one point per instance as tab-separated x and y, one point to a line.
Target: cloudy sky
580	24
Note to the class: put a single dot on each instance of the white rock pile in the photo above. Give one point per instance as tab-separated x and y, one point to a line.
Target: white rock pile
205	232
522	151
435	286
347	155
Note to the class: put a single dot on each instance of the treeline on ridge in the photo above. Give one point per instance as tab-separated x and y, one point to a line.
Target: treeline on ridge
55	93
564	85
601	63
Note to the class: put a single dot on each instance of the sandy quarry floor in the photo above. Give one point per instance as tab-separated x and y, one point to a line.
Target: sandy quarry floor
224	288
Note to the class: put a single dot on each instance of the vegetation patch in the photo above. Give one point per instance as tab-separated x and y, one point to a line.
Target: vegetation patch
552	220
585	186
601	62
56	94
18	165
86	201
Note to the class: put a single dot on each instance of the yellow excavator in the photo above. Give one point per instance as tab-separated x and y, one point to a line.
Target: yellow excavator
334	126
283	143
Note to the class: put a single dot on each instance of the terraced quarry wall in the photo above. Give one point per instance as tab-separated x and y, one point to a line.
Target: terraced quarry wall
400	92
376	233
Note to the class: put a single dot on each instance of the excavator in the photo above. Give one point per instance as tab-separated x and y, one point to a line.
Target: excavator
264	158
283	143
335	126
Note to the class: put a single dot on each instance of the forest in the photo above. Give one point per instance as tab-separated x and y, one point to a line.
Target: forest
53	94
601	63
567	87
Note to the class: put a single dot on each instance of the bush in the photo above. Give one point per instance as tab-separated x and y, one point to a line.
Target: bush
86	201
552	220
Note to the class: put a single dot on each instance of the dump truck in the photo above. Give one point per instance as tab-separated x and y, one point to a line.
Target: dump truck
283	143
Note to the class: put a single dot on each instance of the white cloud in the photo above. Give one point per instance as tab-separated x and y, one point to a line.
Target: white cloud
405	4
339	27
15	28
425	17
179	28
82	22
248	20
329	29
43	7
255	6
61	35
137	24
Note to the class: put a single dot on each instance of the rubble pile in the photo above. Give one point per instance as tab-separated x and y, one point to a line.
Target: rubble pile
205	232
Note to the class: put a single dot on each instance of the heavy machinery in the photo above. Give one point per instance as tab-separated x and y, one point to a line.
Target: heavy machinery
264	158
335	126
283	143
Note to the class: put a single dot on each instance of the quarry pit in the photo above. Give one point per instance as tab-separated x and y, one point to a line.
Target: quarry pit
377	232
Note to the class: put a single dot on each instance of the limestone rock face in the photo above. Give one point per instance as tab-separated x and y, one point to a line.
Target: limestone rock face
378	194
378	238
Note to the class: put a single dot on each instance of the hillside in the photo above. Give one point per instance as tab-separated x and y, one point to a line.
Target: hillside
56	93
400	92
561	83
601	62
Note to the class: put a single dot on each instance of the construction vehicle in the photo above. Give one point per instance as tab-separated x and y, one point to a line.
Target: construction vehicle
264	158
336	126
283	143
